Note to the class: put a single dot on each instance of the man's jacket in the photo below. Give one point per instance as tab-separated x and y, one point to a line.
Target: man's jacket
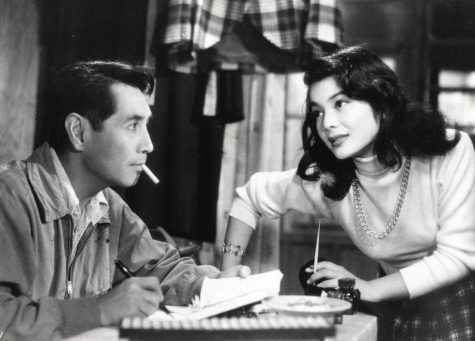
36	264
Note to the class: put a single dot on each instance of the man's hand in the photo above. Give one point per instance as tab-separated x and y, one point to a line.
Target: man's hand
136	296
242	271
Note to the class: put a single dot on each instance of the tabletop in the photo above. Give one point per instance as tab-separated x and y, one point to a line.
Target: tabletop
357	327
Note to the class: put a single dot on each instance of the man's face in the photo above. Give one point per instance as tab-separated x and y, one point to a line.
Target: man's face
114	155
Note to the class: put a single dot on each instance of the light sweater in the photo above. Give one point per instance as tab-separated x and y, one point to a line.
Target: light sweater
433	243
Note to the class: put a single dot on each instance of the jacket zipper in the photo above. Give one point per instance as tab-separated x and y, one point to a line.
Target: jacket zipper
69	283
80	247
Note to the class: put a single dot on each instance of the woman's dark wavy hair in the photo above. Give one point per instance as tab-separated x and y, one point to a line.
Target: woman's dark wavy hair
404	128
85	88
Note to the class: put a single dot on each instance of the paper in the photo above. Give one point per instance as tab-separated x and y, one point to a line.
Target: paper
217	290
224	294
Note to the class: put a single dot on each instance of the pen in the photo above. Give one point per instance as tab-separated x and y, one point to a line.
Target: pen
123	268
315	259
127	273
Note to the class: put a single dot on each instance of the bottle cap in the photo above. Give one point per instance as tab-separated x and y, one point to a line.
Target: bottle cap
346	283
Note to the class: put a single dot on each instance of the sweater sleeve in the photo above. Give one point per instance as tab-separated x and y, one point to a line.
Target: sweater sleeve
454	253
273	194
180	278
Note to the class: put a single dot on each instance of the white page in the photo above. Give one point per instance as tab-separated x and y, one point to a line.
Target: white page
221	289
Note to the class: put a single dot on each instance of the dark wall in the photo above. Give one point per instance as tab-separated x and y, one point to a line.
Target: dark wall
88	29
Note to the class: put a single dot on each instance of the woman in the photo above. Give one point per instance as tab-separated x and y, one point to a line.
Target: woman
399	183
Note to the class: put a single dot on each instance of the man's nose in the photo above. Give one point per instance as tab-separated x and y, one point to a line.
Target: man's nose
146	143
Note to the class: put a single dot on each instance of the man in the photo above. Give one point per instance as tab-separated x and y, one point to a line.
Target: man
62	227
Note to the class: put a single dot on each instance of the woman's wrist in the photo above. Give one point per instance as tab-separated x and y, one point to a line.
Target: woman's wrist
384	288
233	249
228	261
368	291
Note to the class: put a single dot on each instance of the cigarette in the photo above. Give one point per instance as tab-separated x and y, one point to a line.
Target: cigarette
150	174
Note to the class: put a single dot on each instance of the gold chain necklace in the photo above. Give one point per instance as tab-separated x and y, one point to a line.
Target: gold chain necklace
397	210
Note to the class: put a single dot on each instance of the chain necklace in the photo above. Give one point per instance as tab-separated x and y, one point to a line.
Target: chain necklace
397	210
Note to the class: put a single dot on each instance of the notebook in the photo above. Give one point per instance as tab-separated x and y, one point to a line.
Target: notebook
224	294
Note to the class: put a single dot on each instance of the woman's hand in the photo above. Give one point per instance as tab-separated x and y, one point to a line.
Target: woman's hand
242	271
380	289
327	276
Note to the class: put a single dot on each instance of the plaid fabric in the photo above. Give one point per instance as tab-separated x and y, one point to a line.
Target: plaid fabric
298	26
201	22
285	23
447	314
324	22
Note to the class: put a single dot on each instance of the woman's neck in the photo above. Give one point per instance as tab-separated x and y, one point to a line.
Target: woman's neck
369	165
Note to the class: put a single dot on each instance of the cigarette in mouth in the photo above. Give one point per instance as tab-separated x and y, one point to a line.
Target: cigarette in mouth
150	174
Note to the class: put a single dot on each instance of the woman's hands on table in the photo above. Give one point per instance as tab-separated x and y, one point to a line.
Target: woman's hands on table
384	288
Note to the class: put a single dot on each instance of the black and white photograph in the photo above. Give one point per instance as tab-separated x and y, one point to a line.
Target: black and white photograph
237	170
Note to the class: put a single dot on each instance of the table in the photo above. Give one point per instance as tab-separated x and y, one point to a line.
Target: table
357	327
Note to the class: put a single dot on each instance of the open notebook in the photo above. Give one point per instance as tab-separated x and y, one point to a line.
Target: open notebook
221	295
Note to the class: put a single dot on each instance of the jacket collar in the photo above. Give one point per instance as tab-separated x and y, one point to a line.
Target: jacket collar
44	180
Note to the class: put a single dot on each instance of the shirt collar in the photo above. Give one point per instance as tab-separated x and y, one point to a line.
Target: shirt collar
98	204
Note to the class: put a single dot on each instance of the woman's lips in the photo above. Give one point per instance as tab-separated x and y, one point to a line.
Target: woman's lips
337	140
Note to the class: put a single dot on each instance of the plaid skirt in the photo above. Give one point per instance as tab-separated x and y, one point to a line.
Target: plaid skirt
446	314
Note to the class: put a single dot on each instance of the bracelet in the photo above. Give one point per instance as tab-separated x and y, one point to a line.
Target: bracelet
232	249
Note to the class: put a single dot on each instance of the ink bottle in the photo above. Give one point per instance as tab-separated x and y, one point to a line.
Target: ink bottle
346	291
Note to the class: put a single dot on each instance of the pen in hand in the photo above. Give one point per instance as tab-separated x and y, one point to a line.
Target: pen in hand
128	273
123	268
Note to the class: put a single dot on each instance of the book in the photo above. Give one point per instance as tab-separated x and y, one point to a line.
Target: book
224	294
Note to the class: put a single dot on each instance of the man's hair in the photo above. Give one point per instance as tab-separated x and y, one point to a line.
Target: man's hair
85	88
405	128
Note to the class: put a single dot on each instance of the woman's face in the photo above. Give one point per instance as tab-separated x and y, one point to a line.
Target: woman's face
348	127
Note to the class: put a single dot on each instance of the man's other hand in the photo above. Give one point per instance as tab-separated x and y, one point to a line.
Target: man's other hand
136	296
242	271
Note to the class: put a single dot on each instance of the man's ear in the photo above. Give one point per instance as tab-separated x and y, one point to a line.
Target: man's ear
75	126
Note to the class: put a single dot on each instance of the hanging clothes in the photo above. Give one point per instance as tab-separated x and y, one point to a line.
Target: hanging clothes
300	27
231	37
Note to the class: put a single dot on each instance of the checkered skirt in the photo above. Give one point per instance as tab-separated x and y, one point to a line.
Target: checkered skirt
447	314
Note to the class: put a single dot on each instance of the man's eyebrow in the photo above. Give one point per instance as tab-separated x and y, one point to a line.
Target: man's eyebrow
138	117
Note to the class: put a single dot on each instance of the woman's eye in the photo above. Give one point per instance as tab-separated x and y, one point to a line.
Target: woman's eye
340	103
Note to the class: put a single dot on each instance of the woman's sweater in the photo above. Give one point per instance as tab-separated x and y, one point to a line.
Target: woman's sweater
433	242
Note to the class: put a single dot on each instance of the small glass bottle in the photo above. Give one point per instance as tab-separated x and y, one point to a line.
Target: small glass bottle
347	292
